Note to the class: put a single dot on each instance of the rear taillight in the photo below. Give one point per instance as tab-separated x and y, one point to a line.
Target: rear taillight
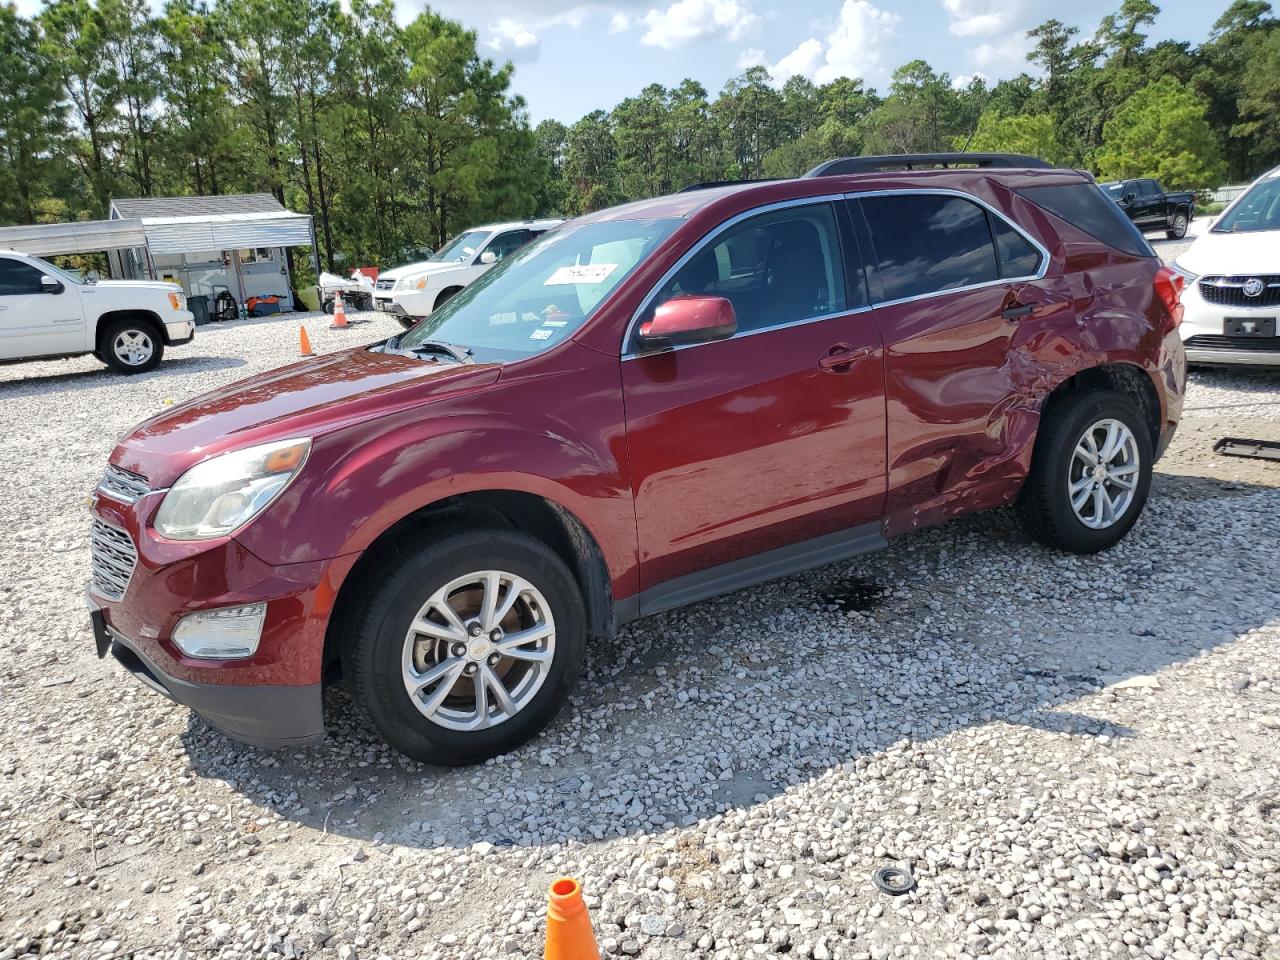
1168	284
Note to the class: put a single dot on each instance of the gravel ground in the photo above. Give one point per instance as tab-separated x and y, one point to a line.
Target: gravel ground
1076	756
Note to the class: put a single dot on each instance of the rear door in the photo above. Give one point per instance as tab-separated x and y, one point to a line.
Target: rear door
952	281
770	439
34	322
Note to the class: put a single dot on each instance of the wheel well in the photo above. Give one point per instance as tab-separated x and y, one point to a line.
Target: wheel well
138	316
540	518
1127	380
446	294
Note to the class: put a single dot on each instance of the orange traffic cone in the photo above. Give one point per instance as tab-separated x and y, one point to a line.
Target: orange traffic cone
304	343
569	935
339	314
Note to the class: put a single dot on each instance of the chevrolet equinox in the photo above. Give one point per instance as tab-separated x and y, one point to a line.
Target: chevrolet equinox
647	406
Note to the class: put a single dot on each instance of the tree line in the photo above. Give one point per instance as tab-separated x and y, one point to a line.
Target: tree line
394	138
1192	115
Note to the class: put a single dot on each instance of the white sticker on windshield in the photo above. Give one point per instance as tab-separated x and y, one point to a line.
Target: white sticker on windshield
587	273
541	334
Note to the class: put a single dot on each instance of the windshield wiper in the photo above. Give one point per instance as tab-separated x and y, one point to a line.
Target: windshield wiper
460	354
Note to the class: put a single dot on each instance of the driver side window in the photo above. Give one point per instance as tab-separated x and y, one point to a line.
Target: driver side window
775	268
508	243
18	278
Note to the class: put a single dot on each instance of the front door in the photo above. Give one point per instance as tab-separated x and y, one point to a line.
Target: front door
33	321
769	439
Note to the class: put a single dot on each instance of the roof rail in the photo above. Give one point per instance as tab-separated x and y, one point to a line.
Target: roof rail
709	184
910	161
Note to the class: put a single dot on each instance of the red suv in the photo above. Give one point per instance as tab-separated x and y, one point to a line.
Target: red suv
650	405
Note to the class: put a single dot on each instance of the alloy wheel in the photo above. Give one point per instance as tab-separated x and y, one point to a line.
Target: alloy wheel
1102	478
478	650
133	347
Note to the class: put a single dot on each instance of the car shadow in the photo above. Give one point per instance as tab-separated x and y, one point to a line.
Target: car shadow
96	376
939	633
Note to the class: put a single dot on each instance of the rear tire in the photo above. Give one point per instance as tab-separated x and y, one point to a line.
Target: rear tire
1178	229
131	346
402	634
1080	502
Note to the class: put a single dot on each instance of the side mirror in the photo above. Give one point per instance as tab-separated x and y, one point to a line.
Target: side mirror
49	285
685	320
488	257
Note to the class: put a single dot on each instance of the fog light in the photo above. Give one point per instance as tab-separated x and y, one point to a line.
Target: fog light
228	633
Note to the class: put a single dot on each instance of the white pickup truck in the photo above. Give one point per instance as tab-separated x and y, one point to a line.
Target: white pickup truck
46	313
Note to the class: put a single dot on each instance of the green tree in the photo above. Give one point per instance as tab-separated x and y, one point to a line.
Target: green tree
1162	131
591	163
748	115
1035	135
31	119
1258	103
551	141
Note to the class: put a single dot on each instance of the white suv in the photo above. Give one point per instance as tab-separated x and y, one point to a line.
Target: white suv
46	313
412	292
1231	302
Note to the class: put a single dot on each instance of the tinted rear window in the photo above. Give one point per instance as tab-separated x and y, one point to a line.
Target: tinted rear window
926	243
1082	205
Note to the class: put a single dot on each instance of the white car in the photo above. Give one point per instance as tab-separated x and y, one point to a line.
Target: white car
46	313
1232	297
412	292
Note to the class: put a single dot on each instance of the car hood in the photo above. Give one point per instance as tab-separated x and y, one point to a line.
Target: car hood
426	266
305	399
1233	254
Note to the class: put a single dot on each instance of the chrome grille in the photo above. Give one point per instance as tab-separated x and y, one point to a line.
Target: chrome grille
1209	341
1229	291
112	558
385	285
122	485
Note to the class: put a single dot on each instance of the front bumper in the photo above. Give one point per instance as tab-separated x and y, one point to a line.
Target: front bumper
271	698
408	303
261	716
182	330
1203	333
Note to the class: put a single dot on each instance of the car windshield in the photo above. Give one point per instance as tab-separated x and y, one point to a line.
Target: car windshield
541	294
1257	210
461	247
71	276
1113	190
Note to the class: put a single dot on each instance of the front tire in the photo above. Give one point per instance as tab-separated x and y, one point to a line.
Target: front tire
468	646
131	346
445	296
1090	473
1178	229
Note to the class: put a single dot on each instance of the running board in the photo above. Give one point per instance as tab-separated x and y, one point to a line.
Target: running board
1239	447
770	565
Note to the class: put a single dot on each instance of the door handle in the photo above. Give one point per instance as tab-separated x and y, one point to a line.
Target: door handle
842	357
1018	310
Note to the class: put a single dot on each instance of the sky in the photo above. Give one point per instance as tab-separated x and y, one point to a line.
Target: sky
575	56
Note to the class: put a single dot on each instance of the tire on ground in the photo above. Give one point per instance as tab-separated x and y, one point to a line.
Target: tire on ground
124	326
1178	229
411	573
1044	505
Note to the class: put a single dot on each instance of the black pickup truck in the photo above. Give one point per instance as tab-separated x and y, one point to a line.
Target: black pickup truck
1150	208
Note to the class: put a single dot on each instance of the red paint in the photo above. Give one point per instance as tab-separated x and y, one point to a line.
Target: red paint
673	462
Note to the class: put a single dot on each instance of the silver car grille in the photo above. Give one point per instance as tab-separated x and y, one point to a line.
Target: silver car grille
112	558
385	285
122	485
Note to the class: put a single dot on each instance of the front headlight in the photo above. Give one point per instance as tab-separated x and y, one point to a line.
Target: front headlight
413	283
222	494
1184	273
177	301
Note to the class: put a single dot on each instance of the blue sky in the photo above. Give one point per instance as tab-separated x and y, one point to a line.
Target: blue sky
573	56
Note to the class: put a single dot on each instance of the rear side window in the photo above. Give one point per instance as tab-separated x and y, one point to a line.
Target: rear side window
1018	258
1083	206
926	243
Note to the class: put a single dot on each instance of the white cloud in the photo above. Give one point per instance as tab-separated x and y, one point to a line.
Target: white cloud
620	22
853	48
752	57
1003	58
687	20
969	18
518	40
